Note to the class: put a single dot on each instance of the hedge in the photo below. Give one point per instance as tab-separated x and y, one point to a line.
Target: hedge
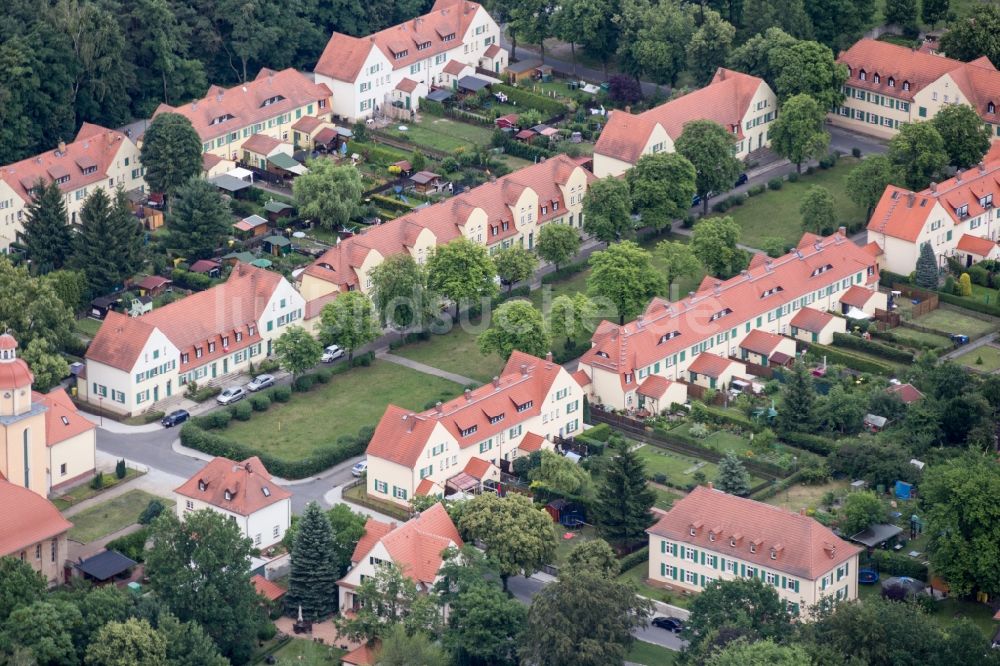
898	565
631	560
518	149
189	280
601	432
843	357
870	347
969	304
519	97
392	205
888	278
565	272
131	545
810	442
778	486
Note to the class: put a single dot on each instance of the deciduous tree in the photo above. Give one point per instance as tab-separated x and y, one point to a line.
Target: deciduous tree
809	68
200	220
861	510
918	152
790	16
30	308
297	351
966	137
867	181
349	321
607	210
570	317
587	22
759	653
818	210
46	233
514	264
46	363
714	242
975	35
328	194
461	271
747	605
558	476
400	648
624	498
592	557
733	477
129	643
20	585
677	260
662	186
934	11
624	275
902	13
45	629
516	326
399	292
709	147
557	243
171	153
484	626
387	599
312	583
798	133
653	39
709	46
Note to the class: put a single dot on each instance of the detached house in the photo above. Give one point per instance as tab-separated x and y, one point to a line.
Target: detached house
457	445
745	318
98	158
888	85
955	217
745	105
402	63
134	362
711	535
269	105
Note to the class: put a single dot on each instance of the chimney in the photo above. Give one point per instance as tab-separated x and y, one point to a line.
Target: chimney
438	407
958	175
410	423
717	287
218	96
468	395
194	105
548	357
628	109
524	369
744	272
249	468
982	167
802	511
932	187
710	485
61	148
496	382
639	321
690	294
769	265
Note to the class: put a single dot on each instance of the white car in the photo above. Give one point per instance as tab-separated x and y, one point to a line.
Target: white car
359	468
260	382
231	395
331	354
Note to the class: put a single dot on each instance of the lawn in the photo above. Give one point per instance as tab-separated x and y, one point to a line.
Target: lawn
349	401
86	491
88	326
582	535
951	320
988	354
680	469
799	496
720	440
444	134
664	498
775	213
359	495
108	517
456	351
650	654
905	335
304	652
637	575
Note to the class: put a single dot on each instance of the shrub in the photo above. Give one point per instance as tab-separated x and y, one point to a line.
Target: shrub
828	161
970	304
775	183
979	275
280	394
856	152
216	420
793	177
871	347
120	470
846	358
736	200
97	483
364	360
601	432
635	559
759	188
810	442
898	565
809	171
660	478
152	510
259	402
304	383
323	375
131	545
721	206
564	272
241	411
698	430
268	366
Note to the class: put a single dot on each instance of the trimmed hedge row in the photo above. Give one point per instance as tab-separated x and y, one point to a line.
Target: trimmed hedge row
631	560
876	348
814	443
899	565
778	486
969	304
519	97
394	205
565	272
845	358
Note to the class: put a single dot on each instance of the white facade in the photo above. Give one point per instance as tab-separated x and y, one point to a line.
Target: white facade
264	528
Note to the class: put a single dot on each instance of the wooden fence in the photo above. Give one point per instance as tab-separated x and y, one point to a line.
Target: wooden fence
928	299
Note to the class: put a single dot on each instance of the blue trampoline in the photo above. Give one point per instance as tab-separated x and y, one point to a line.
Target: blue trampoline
867	576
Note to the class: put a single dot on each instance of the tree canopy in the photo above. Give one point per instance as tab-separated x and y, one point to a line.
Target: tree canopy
461	271
624	276
46	233
557	243
312	582
714	242
171	153
516	326
974	35
329	194
514	264
624	497
798	133
662	186
867	181
297	350
709	147
400	294
818	210
349	321
966	137
918	153
199	220
607	210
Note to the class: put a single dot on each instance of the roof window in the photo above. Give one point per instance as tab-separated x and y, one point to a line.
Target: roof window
266	491
202	486
227	495
668	336
720	314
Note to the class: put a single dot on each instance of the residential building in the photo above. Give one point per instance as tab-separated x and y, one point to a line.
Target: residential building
668	339
45	444
134	362
268	105
888	85
242	491
507	211
711	535
812	325
33	531
402	63
97	159
744	105
456	445
956	218
415	547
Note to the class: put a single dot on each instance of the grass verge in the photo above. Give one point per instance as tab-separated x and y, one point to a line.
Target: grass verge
108	517
85	491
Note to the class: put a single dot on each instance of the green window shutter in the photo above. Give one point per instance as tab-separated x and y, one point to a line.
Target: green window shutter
702	557
682	552
663	570
723	564
847	568
663	547
796	587
784	582
743	569
673	572
703	580
680	574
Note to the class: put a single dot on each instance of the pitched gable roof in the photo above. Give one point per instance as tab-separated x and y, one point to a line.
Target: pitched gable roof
857	296
802	546
62	420
710	365
241	488
811	320
761	342
36	519
415	546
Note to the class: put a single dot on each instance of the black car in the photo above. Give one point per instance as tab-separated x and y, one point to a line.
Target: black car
669	623
741	180
176	417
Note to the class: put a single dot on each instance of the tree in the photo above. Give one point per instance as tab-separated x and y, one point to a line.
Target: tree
349	321
583	619
918	152
653	38
171	153
129	643
808	68
714	242
514	264
861	510
709	46
592	557
902	13
587	22
69	286
754	56
461	271
797	408
624	497
839	23
867	181
934	11
200	220
187	643
399	292
965	284
529	20
879	462
46	363
927	268
570	317
789	16
104	245
624	90
975	35
662	186
417	160
400	648
484	626
759	653
966	137
746	605
709	147
798	133
559	476
46	233
607	210
677	260
625	277
312	583
45	629
297	351
818	210
518	536
557	243
328	194
387	599
733	477
516	326
20	585
30	308
963	523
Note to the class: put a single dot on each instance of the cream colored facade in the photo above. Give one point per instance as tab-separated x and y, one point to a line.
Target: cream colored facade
657	142
24	457
47	557
279	126
824	336
690	569
73	460
723	380
786	346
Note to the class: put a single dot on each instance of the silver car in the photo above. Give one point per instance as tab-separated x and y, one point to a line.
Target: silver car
231	395
260	382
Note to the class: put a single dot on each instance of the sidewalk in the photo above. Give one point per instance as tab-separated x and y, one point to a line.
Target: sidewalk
154	482
426	369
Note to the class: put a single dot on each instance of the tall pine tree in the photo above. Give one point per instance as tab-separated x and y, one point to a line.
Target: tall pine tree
46	231
733	477
797	412
927	271
625	500
109	245
312	583
200	220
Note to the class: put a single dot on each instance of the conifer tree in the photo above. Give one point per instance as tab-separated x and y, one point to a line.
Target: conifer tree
927	272
624	499
797	411
312	583
46	230
733	477
108	248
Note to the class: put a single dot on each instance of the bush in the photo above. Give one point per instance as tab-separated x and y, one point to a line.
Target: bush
97	483
721	206
601	432
304	383
268	366
898	564
735	200
632	560
828	161
809	171
775	183
120	469
189	280
759	188
280	394
363	360
660	478
259	402
217	420
979	275
810	442
793	177
970	304
152	510
323	376
131	545
241	411
871	347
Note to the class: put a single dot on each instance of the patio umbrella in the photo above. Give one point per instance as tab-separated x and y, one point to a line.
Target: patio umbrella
300	612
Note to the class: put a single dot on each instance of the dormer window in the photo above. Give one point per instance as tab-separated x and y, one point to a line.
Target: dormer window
773	290
423	45
251	329
892	82
732	542
906	85
821	270
449	37
197	352
525	406
469	431
720	314
986	201
62	180
401	54
774	554
202	486
962	211
185	357
753	548
668	336
711	536
65	421
239	336
225	340
863	75
496	419
877	78
693	531
991	108
603	354
266	491
211	347
228	496
271	100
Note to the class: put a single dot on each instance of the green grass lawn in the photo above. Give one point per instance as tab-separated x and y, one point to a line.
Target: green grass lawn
456	351
650	654
304	652
637	575
680	469
88	326
905	335
108	517
776	213
952	320
720	440
582	535
85	491
664	498
989	355
446	134
350	400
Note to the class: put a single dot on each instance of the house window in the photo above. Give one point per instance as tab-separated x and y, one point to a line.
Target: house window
691	577
863	75
526	406
256	540
892	82
991	108
189	505
227	495
55	549
877	78
399	493
276	531
381	487
38	551
711	536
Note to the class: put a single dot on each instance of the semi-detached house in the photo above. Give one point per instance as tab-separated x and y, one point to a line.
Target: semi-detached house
710	535
134	362
399	65
458	445
98	158
667	340
744	105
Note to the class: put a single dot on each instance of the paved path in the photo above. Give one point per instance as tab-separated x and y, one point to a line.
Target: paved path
426	369
965	349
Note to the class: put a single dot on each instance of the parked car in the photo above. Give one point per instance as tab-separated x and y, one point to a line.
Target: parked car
959	339
669	623
742	179
231	395
331	354
260	382
359	468
176	417
695	200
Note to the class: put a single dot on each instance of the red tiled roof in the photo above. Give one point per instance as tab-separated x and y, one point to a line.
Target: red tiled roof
204	266
307	124
7	342
14	373
811	320
477	468
725	100
267	589
654	386
424	487
244	105
94	146
406	85
709	364
152	282
35	519
402	435
314	308
191	322
363	655
874	249
581	377
344	55
492	51
374	531
857	296
454	67
908	393
761	342
976	245
261	144
415	546
531	442
62	420
248	483
803	546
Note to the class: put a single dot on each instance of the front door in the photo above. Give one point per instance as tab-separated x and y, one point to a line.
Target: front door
169	387
225	365
156	393
213	371
531	240
407	102
968	260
